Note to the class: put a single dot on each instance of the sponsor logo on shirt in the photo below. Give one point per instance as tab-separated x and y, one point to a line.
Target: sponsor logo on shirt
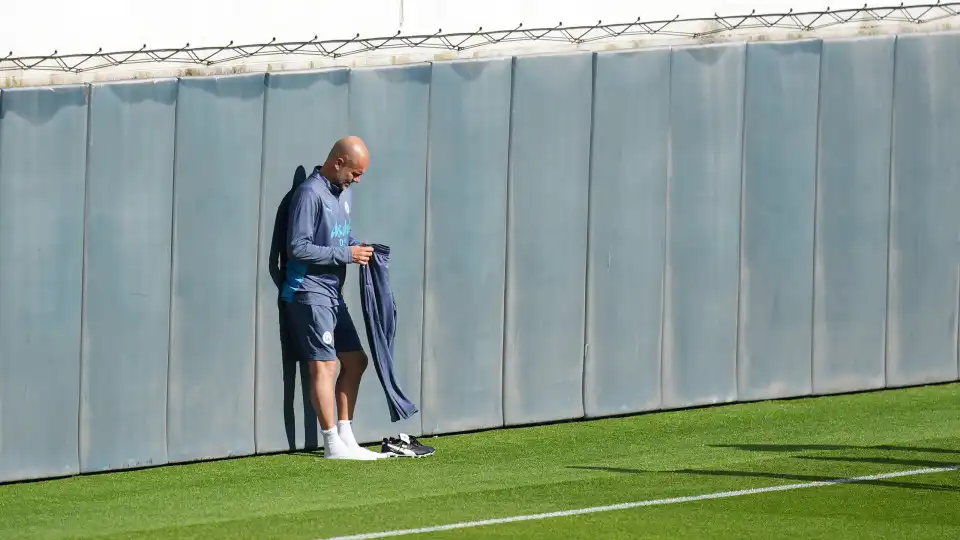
340	233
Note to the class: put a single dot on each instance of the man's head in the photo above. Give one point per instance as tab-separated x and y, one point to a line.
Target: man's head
346	162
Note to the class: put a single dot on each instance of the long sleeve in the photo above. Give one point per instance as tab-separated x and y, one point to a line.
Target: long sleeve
301	247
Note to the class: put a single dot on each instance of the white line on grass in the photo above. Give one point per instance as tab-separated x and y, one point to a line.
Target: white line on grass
655	502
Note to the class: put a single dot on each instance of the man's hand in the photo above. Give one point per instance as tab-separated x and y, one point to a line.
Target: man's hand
361	254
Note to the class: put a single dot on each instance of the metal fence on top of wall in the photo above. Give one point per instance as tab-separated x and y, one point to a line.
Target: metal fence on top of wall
574	236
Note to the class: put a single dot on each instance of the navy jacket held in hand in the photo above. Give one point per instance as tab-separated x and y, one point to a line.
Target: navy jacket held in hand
380	318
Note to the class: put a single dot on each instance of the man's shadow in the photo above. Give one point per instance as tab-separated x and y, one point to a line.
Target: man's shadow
277	264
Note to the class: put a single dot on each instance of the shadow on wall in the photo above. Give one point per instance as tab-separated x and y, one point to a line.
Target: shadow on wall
277	263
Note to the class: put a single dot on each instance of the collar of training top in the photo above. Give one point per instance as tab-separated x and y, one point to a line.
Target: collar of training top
334	188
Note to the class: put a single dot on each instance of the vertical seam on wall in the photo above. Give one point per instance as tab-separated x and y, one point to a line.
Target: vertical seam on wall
2	374
88	90
506	247
816	228
173	260
594	60
1	296
256	301
666	225
743	153
305	389
1	288
426	236
890	180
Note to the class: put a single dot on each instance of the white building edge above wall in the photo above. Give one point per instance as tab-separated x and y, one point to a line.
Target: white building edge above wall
54	42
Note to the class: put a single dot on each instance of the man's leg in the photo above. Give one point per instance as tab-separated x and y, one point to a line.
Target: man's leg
353	362
322	375
313	328
352	366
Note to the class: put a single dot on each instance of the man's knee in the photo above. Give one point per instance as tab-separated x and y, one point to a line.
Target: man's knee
323	370
353	361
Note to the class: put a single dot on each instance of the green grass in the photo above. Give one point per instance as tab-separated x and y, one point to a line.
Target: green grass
567	466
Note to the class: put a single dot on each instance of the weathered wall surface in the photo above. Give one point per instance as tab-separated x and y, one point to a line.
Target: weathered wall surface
574	236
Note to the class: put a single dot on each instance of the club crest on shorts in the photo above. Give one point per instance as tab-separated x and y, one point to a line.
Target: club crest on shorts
327	338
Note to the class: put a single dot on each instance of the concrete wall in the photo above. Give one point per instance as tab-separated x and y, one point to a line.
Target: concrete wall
574	236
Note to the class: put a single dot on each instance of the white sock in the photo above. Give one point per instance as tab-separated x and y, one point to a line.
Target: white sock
336	448
345	430
331	438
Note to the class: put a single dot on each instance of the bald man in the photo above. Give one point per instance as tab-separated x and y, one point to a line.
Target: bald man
319	248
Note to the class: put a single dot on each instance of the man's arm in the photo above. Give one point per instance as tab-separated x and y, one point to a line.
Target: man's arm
302	224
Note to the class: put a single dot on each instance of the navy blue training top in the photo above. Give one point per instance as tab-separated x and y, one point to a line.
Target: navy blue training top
318	242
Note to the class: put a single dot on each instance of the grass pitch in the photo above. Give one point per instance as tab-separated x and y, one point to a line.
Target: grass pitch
560	467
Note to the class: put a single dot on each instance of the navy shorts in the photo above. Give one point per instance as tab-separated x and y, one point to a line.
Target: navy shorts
320	332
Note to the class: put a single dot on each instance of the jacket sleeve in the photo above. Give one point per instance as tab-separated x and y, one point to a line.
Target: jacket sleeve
301	246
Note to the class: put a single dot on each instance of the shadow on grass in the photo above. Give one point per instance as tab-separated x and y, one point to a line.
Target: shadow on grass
609	469
883	461
800	448
785	448
830	447
777	476
818	478
308	453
